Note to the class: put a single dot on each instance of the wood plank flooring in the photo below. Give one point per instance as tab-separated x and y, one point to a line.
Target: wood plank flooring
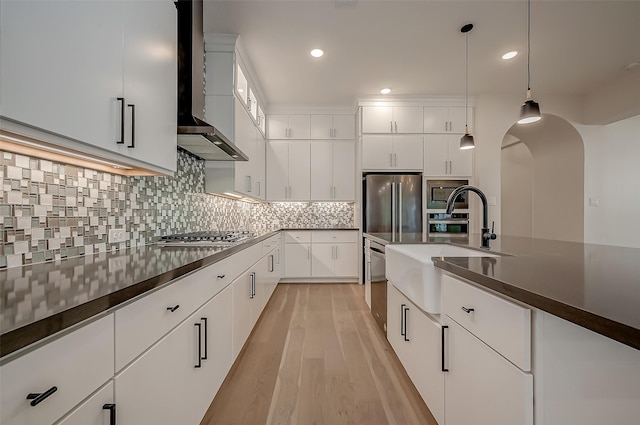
316	357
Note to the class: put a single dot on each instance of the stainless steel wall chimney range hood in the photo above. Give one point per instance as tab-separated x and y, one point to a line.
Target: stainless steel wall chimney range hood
194	134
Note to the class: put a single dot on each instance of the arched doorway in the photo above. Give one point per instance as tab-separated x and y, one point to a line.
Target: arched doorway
542	181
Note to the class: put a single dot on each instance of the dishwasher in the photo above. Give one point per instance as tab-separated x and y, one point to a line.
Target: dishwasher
378	286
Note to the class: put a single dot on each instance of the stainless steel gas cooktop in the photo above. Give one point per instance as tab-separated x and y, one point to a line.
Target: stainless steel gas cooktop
206	238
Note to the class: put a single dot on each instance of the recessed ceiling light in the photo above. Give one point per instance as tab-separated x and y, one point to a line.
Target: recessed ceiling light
510	55
316	53
385	91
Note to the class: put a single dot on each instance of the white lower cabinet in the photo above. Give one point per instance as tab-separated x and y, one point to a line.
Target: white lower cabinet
482	386
97	410
175	381
43	385
417	340
321	254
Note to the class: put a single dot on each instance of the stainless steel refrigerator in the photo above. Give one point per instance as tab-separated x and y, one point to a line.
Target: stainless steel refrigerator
392	204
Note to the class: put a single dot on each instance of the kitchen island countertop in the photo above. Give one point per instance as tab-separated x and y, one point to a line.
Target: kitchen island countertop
594	286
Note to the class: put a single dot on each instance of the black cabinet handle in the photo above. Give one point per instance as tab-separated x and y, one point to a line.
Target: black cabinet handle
271	264
405	324
253	285
112	412
121	141
197	325
402	331
221	276
37	398
444	369
467	310
174	308
133	125
204	319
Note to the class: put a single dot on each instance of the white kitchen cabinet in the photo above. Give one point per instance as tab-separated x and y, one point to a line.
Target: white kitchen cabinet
249	175
243	294
447	119
97	410
242	87
62	372
321	254
333	127
184	369
294	126
297	260
443	156
288	175
78	68
417	340
332	171
487	354
393	152
479	377
392	119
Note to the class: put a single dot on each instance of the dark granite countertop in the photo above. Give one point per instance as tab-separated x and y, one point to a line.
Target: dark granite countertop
39	300
319	228
594	286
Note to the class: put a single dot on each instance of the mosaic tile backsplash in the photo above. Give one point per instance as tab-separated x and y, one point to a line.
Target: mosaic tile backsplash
51	210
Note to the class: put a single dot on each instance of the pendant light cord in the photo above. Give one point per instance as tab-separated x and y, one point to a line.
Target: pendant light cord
528	49
466	92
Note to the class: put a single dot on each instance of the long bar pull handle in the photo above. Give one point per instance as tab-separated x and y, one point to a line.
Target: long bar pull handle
121	141
204	319
390	126
258	183
111	407
395	159
37	398
253	285
199	365
402	317
400	210
368	278
390	160
394	217
271	263
396	123
336	252
406	334
133	125
444	369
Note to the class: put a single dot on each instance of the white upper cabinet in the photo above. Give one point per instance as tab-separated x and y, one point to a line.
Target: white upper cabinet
392	119
288	175
397	152
242	87
294	126
333	127
65	65
447	119
333	171
443	156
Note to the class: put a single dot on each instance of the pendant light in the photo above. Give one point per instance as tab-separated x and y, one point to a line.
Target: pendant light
530	110
466	141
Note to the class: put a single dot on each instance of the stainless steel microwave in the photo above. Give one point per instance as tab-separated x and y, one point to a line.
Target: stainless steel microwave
438	192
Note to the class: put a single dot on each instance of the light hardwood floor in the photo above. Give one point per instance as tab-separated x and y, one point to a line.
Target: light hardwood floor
316	357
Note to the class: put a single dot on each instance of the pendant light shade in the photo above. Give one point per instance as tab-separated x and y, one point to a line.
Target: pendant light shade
466	141
530	109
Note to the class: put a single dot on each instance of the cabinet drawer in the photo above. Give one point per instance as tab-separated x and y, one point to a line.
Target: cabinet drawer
146	320
335	236
76	364
501	324
270	243
297	236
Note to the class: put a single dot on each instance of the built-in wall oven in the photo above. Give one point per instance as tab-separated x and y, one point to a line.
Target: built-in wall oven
439	223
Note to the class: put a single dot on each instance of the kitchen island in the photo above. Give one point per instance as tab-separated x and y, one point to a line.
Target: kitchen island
594	286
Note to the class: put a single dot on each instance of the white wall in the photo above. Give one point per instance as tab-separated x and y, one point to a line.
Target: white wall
517	185
612	178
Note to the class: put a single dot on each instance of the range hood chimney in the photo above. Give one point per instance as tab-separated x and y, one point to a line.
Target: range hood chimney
194	134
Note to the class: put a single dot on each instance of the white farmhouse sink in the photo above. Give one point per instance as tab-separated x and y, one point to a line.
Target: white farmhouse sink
410	269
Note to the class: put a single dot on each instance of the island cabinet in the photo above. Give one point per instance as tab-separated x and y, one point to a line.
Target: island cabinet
392	119
487	357
392	152
443	156
84	71
416	338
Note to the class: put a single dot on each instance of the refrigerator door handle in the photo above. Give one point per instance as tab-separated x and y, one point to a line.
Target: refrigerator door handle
394	207
400	211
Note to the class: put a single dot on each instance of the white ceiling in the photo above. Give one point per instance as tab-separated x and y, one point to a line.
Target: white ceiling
416	47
